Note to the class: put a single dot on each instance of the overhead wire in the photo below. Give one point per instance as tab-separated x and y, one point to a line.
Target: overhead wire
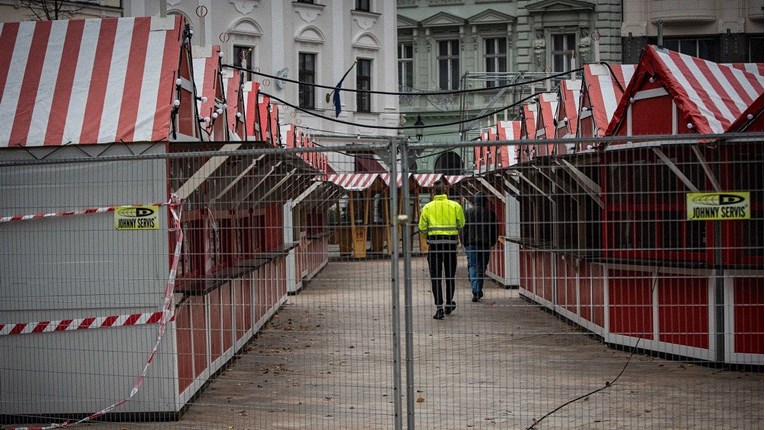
389	127
400	93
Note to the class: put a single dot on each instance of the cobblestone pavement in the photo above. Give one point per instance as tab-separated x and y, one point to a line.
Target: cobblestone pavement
326	361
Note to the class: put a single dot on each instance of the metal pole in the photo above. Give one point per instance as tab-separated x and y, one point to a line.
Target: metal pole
408	325
394	292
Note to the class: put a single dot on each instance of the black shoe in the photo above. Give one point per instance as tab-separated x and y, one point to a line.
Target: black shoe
439	314
475	297
450	307
480	294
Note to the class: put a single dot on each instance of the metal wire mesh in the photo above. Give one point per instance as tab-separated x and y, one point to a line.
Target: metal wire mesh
605	306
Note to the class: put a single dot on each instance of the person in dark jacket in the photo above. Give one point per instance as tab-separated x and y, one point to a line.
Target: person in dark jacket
478	237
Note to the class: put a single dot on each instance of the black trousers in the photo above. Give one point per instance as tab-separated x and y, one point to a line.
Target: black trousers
442	262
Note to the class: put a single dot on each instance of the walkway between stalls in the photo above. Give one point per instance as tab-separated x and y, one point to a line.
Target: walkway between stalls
295	373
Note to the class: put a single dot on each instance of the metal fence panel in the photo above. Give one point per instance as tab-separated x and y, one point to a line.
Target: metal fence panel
604	307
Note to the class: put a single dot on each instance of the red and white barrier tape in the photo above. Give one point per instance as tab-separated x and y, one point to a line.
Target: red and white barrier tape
68	213
165	313
80	323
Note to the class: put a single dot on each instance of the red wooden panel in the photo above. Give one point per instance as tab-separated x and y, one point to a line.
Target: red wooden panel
748	315
652	116
184	357
539	275
545	259
216	343
565	283
227	306
598	303
199	334
683	311
630	309
525	265
585	292
260	293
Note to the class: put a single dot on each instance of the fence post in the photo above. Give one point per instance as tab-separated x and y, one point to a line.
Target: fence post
395	314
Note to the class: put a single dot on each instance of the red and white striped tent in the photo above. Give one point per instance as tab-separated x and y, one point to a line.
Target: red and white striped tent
567	116
508	154
482	157
528	129
602	90
94	81
212	101
673	93
547	108
750	119
354	181
261	116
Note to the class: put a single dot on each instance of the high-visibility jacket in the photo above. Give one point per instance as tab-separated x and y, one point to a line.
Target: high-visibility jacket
442	217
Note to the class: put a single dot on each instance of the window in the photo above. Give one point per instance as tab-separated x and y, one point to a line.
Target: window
363	5
307	77
405	67
448	64
563	48
243	58
755	49
364	83
305	1
496	60
702	48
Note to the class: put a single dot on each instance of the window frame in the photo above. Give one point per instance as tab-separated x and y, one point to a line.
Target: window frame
363	5
303	75
236	55
494	58
450	59
404	84
567	37
364	83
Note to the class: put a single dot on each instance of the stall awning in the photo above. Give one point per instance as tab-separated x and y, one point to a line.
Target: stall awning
604	85
508	154
568	108
212	94
547	107
88	81
708	95
354	181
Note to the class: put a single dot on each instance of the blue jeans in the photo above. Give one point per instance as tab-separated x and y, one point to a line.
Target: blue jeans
477	260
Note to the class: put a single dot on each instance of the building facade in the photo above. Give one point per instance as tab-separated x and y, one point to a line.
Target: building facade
14	10
314	41
726	31
451	45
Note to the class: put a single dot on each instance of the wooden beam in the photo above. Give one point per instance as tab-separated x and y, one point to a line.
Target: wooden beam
679	173
588	185
204	172
708	170
533	185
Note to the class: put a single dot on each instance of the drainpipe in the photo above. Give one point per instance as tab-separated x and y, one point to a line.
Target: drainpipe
660	37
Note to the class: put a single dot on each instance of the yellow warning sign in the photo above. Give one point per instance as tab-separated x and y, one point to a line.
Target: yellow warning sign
136	218
717	206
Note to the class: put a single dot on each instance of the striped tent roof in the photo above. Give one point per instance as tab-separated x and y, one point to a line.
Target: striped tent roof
603	87
709	96
212	101
354	181
547	107
88	81
568	108
508	154
529	125
427	180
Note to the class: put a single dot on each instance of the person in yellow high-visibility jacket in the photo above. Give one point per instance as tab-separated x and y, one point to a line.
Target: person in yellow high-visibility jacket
441	220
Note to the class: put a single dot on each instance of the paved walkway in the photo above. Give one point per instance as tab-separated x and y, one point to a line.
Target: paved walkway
324	362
